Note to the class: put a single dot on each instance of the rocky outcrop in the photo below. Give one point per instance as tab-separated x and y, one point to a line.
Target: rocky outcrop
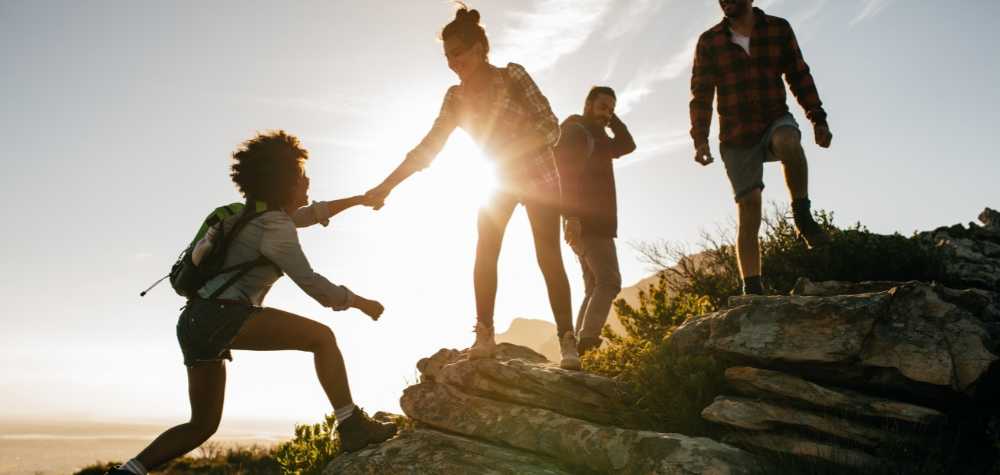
840	371
912	336
476	415
970	254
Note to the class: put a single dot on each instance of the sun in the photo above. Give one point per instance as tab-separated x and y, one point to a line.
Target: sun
463	172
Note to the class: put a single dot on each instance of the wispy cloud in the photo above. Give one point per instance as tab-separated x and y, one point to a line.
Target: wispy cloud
552	29
633	18
655	146
870	10
642	84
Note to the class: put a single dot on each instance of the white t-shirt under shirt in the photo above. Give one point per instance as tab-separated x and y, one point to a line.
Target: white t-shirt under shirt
742	41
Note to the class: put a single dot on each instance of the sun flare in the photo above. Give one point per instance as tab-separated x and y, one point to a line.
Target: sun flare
463	172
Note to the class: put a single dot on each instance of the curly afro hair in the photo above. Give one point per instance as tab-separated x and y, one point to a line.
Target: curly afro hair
267	167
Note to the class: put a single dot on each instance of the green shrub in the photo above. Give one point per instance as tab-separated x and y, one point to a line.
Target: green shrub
313	447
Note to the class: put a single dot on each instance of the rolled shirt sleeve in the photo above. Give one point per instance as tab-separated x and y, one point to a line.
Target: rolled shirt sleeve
280	244
316	213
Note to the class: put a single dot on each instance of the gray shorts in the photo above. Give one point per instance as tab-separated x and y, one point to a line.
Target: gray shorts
745	165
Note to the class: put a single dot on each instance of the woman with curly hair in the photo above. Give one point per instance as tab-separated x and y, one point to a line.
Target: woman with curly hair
511	121
269	172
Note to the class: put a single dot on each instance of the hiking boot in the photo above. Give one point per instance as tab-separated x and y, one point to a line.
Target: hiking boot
118	471
359	430
812	233
485	345
587	343
808	229
570	358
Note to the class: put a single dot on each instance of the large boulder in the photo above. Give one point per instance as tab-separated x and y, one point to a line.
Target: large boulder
519	413
912	336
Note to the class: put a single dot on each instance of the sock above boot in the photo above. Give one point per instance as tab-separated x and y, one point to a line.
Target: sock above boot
753	285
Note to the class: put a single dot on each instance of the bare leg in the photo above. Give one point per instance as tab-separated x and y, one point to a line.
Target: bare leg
588	291
206	392
787	146
545	230
493	219
747	245
273	330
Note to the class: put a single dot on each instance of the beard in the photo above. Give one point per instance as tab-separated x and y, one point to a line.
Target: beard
737	10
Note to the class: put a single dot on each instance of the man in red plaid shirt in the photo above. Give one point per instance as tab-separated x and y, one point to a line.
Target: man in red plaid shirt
743	58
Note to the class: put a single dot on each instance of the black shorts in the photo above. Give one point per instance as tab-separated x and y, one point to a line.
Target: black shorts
206	329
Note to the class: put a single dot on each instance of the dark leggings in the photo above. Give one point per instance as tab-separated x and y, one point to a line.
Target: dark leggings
545	228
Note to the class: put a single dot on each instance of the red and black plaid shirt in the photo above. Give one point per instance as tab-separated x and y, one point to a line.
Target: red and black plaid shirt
751	94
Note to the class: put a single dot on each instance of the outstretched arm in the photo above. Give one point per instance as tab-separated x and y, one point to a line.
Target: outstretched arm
422	155
280	244
321	211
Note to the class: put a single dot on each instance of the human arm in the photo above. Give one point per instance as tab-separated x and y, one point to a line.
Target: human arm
800	81
572	151
320	212
623	143
423	154
280	244
542	120
703	83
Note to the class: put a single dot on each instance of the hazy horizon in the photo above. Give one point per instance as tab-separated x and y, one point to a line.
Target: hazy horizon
119	119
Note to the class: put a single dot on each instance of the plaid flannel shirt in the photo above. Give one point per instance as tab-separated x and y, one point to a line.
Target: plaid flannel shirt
517	109
751	93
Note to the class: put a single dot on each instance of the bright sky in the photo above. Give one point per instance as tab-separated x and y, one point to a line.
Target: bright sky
118	118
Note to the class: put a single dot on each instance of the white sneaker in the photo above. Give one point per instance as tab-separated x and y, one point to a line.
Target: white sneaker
570	358
485	345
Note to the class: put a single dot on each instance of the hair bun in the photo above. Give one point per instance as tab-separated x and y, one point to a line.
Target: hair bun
464	14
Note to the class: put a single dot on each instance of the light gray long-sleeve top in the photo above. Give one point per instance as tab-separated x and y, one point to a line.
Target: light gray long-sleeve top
274	236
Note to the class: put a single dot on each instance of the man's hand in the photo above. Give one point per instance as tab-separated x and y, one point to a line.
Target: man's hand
615	122
573	232
823	135
370	307
703	155
375	197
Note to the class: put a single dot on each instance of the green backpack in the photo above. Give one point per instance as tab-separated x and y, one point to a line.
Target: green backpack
187	278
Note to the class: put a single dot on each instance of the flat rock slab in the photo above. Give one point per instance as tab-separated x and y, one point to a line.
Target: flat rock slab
752	415
804	448
590	446
425	451
774	384
526	381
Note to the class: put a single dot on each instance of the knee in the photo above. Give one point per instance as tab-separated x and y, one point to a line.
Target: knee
750	203
787	145
205	427
321	339
549	258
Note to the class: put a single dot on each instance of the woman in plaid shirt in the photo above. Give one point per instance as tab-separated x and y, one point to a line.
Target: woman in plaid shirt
505	113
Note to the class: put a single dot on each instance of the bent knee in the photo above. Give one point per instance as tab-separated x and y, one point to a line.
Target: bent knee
205	428
786	144
321	338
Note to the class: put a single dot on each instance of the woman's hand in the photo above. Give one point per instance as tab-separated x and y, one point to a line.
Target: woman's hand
370	307
375	197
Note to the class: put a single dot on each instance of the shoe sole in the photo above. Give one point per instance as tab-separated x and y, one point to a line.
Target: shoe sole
375	441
